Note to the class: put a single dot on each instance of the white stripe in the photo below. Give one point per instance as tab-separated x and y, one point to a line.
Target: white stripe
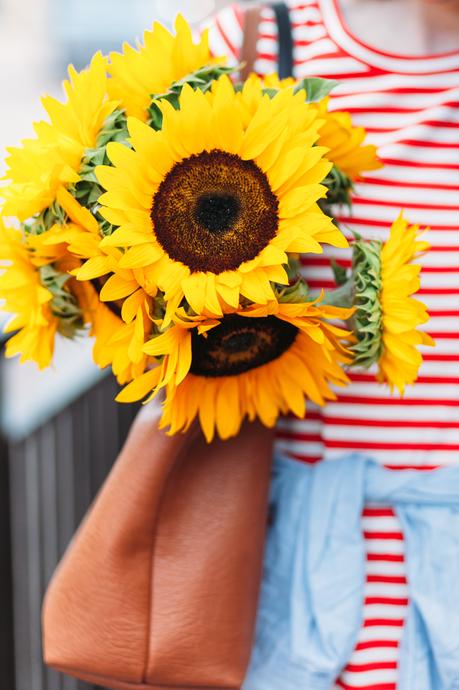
394	546
390	612
382	524
218	46
406	195
375	99
398	120
300	448
381	589
424	154
381	632
416	216
420	390
445	324
398	412
421	132
397	435
330	66
428	280
231	27
435	259
321	47
310	33
435	237
431	258
386	82
375	655
263	66
369	678
404	173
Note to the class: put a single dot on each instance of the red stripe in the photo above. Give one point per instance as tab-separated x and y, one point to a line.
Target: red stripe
311	460
376	223
374	445
273	37
386	557
380	110
446	335
368	201
428	123
419	164
324	262
419	468
387	579
412	402
382	622
428	144
429	357
373	686
374	644
436	313
369	378
415	185
375	666
384	423
383	535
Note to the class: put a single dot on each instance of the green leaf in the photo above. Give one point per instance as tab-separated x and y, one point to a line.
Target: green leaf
64	305
316	88
339	272
295	293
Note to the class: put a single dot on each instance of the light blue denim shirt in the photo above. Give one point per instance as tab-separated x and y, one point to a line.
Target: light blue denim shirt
311	605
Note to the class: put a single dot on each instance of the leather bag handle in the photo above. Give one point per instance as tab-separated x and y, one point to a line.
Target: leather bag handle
249	43
285	40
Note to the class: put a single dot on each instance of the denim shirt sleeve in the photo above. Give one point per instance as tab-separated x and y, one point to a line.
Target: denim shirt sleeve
311	603
312	594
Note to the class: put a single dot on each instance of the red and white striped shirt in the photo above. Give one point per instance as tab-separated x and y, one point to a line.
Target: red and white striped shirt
410	108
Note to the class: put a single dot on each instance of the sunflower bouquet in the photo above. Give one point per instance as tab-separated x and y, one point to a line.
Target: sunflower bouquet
161	209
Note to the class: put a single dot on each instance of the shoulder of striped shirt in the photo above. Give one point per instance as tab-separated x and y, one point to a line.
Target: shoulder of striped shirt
226	32
227	28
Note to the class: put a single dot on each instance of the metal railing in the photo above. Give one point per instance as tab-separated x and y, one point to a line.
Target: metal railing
54	474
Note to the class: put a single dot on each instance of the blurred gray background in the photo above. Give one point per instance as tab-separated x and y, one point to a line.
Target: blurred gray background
60	430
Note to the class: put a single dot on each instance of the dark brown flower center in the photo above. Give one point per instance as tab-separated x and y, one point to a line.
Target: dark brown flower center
240	344
213	211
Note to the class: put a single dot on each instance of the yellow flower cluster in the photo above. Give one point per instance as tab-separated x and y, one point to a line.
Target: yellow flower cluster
160	208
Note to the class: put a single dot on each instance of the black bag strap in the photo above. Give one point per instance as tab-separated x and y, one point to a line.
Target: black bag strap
285	40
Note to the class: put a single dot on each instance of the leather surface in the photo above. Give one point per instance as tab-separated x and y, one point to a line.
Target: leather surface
159	587
249	48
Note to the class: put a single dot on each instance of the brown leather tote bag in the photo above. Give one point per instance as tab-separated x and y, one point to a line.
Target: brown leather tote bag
159	587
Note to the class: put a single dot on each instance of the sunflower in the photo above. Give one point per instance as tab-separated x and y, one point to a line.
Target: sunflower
345	143
210	205
27	300
259	362
137	75
401	313
119	327
117	343
41	167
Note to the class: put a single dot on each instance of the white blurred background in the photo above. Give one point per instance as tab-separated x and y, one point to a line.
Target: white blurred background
38	38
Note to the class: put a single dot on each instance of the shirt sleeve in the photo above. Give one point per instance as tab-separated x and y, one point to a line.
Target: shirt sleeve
226	33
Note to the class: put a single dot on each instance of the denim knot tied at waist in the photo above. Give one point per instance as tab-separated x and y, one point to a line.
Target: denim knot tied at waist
311	604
